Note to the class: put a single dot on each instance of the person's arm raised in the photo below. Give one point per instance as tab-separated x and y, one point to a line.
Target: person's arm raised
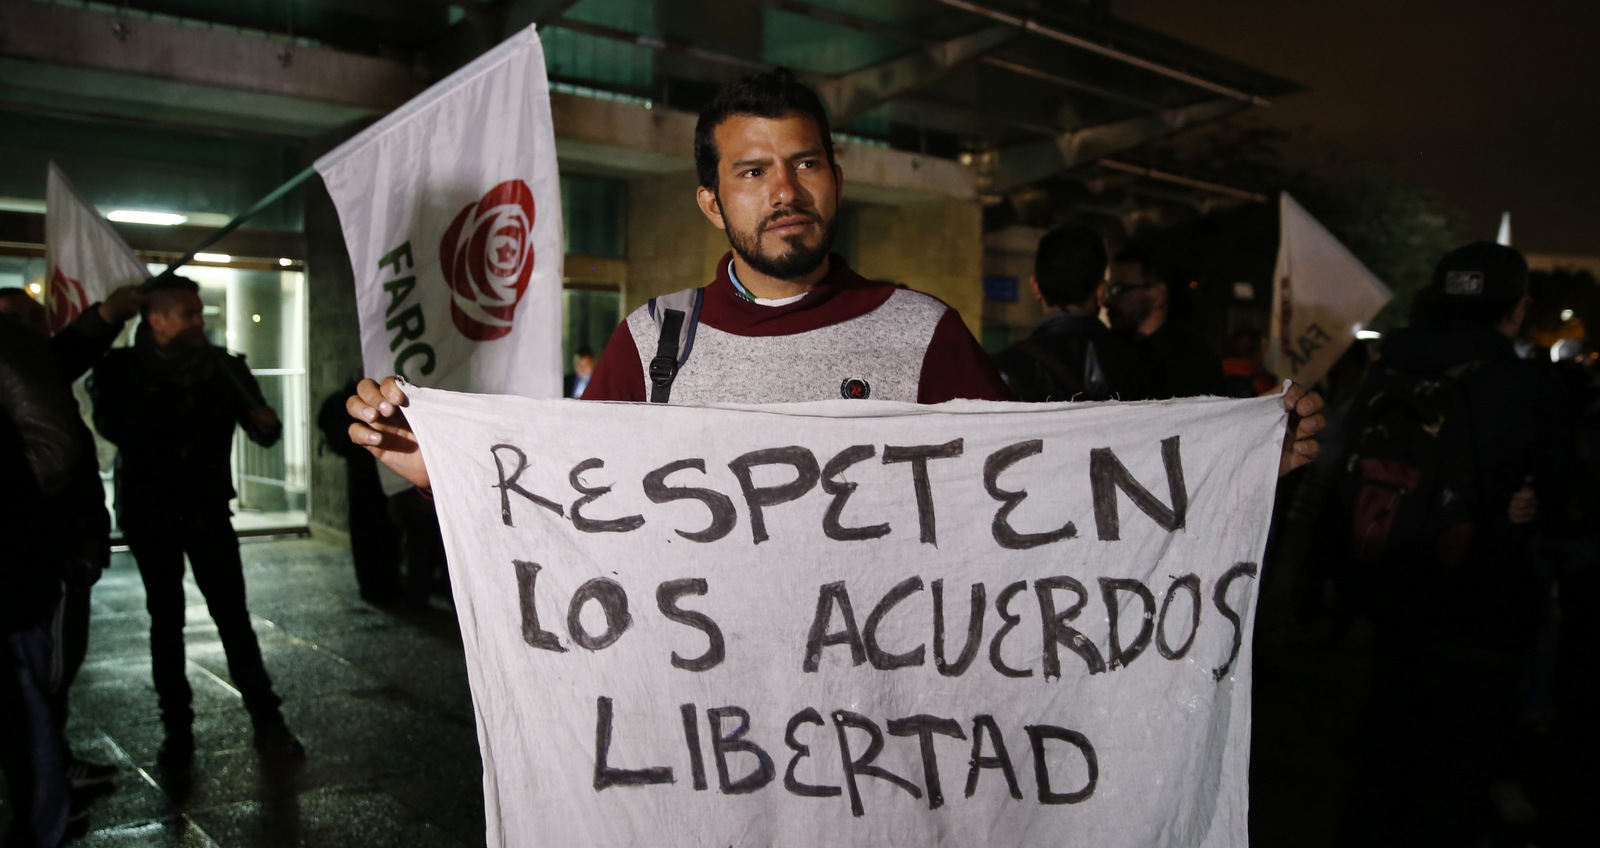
382	429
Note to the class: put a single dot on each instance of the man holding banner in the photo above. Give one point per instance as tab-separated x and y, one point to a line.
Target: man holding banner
756	629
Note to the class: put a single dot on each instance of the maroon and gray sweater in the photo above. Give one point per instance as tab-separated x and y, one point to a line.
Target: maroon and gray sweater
847	331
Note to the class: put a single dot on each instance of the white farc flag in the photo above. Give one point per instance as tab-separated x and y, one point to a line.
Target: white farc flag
84	258
857	623
451	210
1323	295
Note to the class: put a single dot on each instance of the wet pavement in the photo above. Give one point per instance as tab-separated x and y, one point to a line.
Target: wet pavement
379	698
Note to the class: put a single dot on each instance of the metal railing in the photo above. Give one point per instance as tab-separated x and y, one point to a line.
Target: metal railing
275	479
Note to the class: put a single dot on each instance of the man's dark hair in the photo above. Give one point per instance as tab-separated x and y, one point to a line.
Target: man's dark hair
158	286
584	351
1070	264
1147	262
773	94
1162	270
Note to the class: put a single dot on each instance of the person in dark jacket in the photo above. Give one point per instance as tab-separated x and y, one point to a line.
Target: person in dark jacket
83	518
1140	304
573	384
1454	639
170	403
44	448
1071	355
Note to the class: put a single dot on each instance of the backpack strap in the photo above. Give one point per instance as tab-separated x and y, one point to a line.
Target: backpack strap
676	316
1071	383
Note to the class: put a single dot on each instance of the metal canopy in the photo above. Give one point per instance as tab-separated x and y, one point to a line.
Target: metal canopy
1028	90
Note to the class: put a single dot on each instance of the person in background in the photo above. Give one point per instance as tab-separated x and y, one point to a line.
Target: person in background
1244	372
1455	590
423	543
170	403
1140	304
374	549
573	384
1071	355
74	351
44	448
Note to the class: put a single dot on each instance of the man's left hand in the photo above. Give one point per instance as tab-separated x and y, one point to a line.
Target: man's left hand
1305	420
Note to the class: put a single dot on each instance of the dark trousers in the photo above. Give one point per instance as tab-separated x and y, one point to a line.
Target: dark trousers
30	747
424	544
1437	733
158	543
72	645
374	539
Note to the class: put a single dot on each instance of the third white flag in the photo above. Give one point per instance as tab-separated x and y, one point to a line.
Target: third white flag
1322	293
85	259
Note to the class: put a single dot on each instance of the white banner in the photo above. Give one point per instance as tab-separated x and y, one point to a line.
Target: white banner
451	210
857	623
85	259
1323	293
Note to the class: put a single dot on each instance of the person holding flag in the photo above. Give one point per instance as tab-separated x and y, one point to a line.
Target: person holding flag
76	534
91	289
170	403
44	448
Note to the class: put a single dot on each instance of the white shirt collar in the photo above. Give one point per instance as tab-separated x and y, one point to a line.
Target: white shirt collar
763	301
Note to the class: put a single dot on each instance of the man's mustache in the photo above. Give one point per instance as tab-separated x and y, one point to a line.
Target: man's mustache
791	213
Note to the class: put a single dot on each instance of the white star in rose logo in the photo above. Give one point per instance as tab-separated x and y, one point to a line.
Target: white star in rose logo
487	258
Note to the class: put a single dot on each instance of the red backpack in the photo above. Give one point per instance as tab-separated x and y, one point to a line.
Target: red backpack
1410	480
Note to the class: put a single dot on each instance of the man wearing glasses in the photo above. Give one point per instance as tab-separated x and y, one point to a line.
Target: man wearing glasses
1141	307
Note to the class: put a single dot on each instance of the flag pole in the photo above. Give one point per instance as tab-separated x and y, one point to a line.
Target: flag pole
273	197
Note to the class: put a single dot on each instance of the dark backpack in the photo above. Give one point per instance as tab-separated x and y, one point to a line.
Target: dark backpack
1410	481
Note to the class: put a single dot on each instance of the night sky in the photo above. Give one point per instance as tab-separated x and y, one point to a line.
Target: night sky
1494	103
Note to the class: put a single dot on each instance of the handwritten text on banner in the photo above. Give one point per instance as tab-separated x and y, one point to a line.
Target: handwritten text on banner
857	623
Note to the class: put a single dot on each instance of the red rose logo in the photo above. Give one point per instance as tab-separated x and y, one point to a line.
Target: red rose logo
487	254
65	301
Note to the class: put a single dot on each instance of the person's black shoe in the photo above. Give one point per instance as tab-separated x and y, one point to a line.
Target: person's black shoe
82	774
177	752
275	741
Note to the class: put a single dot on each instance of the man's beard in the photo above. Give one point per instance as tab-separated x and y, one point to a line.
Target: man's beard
798	261
191	340
1127	318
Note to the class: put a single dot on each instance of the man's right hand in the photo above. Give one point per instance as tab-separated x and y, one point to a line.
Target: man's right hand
122	304
381	428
